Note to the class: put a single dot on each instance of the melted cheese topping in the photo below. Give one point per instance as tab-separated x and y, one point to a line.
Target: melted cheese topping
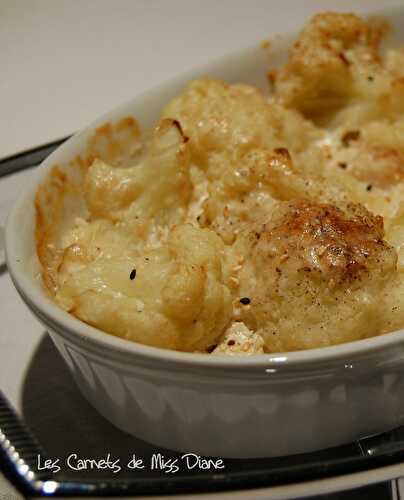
239	340
256	224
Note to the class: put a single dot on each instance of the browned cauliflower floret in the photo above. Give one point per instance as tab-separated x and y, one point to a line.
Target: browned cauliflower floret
328	63
228	119
234	135
315	275
373	154
368	161
156	191
171	297
266	177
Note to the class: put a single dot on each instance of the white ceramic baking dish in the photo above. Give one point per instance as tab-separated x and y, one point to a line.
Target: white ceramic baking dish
259	406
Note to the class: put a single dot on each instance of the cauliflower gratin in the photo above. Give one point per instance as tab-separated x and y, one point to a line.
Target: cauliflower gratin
253	223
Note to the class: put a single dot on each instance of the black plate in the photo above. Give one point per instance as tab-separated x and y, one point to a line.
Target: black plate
64	424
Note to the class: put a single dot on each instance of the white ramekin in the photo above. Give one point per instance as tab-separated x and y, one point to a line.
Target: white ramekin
267	405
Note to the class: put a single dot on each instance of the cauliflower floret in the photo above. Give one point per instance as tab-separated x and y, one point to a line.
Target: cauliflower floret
171	297
238	340
368	162
315	275
329	65
154	192
109	190
373	154
233	133
88	241
266	177
228	119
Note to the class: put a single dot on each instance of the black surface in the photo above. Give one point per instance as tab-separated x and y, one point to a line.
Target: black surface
64	423
29	158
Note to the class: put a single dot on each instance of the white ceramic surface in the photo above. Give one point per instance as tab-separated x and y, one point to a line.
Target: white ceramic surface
268	405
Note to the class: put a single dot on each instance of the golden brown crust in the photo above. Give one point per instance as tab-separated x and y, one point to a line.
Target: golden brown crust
113	141
48	209
110	141
326	240
315	275
319	77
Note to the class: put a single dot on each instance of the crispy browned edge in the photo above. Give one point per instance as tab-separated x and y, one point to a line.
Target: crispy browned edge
108	143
